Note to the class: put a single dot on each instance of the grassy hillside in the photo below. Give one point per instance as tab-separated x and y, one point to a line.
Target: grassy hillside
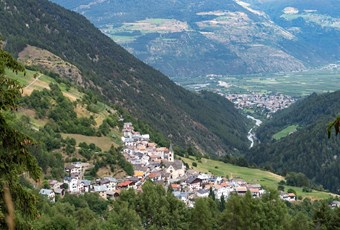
36	81
285	132
68	126
206	121
265	178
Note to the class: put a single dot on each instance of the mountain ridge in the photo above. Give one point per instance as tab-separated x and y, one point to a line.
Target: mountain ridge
149	95
186	38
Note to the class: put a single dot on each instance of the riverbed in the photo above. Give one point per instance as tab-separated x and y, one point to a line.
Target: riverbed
251	135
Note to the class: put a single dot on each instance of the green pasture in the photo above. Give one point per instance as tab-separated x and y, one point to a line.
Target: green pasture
251	175
285	132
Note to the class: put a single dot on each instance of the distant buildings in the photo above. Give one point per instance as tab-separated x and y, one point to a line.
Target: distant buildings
272	103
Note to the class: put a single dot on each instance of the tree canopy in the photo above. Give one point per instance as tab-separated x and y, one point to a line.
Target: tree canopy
15	158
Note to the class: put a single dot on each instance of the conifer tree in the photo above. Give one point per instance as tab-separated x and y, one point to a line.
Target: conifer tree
15	158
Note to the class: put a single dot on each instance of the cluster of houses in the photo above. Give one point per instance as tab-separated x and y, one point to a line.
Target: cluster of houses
272	103
154	163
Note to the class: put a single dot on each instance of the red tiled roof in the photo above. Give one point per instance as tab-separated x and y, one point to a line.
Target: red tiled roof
175	186
241	189
224	184
153	175
254	190
124	183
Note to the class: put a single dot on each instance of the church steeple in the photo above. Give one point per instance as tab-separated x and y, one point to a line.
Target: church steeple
171	154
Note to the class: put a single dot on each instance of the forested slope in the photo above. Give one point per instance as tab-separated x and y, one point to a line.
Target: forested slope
206	121
308	150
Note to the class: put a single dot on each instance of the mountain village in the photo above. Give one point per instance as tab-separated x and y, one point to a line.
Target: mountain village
157	164
270	102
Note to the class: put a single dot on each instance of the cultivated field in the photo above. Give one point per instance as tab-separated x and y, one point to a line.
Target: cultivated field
294	84
104	143
129	32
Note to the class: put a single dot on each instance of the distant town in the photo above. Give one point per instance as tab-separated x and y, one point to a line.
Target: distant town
270	102
157	164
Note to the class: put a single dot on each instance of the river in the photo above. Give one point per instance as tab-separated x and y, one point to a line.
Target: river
251	134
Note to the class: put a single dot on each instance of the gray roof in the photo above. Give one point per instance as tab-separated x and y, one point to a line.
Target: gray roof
134	179
139	154
99	188
111	179
192	179
58	190
104	181
45	191
179	194
177	164
203	191
139	167
85	182
154	164
165	174
69	167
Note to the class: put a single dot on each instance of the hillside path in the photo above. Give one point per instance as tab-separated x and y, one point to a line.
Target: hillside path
36	79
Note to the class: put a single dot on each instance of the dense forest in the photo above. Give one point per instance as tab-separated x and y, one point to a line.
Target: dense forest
206	121
308	150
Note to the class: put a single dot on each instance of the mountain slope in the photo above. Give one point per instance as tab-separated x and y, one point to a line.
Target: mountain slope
315	24
308	150
187	38
206	121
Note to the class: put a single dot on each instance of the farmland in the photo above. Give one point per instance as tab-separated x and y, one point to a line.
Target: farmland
129	32
294	84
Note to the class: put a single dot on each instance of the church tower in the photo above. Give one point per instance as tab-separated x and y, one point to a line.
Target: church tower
171	154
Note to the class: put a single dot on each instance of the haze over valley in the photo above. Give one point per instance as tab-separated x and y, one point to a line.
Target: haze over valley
186	38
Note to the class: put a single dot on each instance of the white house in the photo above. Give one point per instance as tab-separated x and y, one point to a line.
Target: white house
288	196
110	183
194	183
49	193
71	169
225	191
73	185
85	186
101	190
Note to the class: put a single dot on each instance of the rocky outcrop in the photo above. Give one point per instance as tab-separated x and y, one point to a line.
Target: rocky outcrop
34	56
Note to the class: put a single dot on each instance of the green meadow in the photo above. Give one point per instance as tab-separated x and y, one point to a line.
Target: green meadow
285	132
251	175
